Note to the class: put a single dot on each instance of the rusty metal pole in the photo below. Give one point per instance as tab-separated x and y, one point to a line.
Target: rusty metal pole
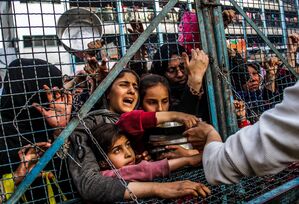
205	7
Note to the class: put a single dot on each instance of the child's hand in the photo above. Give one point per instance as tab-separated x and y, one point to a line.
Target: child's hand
240	109
188	120
144	156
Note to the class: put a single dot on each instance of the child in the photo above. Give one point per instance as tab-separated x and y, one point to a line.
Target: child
117	146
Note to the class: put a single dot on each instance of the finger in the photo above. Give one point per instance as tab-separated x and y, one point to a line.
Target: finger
193	53
140	25
193	192
48	92
171	147
187	132
206	189
39	108
185	58
201	192
43	144
69	99
145	153
130	30
104	62
57	94
147	158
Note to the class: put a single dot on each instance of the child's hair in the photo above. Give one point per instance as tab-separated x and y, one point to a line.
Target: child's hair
106	135
149	81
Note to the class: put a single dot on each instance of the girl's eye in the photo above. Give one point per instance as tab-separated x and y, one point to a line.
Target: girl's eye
165	101
116	151
152	102
136	88
128	144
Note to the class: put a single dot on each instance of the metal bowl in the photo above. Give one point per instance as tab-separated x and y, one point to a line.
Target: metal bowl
76	28
168	128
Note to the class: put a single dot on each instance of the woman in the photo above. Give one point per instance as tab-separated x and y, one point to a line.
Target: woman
248	83
185	78
29	85
122	97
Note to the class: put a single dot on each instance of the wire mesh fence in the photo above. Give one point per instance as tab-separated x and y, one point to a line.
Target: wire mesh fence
42	44
248	189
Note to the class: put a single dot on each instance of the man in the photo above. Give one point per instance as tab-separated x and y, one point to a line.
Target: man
264	148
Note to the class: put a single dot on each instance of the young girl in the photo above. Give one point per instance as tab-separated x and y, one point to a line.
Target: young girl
117	146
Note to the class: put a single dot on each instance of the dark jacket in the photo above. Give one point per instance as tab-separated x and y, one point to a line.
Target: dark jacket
92	186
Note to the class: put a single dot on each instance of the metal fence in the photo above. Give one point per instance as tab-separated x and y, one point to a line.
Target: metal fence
257	46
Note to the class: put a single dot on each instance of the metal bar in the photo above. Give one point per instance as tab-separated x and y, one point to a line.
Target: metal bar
214	69
89	103
258	31
244	25
297	8
209	80
283	22
189	5
120	20
276	192
263	17
160	34
222	55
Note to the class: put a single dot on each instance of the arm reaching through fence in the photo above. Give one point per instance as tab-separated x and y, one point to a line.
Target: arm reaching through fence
293	45
228	162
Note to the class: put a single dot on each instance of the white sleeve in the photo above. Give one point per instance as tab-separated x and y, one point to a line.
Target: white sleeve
266	147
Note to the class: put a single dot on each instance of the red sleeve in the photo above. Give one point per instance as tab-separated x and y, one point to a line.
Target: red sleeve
136	121
144	171
244	123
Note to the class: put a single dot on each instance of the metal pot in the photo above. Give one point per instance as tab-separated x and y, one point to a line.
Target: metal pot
76	28
169	133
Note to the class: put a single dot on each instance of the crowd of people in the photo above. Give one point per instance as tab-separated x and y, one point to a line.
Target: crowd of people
107	155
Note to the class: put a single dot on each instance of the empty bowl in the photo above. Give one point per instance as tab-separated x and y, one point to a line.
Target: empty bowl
76	28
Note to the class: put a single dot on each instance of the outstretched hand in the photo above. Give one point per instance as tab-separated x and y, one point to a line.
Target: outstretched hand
29	156
272	66
228	17
92	67
293	42
182	188
60	106
137	29
199	135
196	68
240	109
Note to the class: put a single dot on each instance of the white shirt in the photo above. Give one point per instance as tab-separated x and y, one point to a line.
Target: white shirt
264	148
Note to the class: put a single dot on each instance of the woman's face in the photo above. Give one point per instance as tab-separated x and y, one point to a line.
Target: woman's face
175	72
123	95
156	99
253	83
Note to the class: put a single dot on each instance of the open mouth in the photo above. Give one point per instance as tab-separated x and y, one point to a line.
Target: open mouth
128	101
